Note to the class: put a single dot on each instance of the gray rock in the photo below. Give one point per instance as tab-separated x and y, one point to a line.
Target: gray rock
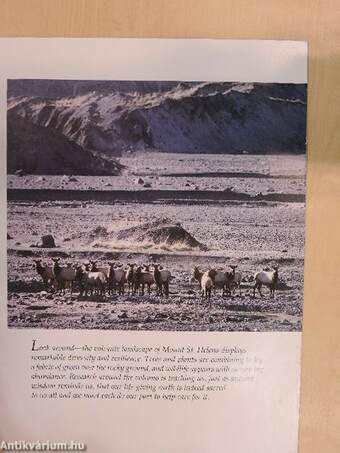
47	241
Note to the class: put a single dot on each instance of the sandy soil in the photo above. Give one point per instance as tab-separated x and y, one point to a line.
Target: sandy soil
252	234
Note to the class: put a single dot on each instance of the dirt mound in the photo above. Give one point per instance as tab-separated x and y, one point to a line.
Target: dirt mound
162	231
99	232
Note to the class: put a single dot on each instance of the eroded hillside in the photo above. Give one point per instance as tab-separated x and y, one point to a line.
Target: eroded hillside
188	117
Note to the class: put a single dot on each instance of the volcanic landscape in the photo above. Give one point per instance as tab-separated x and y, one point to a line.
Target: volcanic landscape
243	208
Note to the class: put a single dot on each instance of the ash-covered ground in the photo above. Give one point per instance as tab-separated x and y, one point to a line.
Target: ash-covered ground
247	210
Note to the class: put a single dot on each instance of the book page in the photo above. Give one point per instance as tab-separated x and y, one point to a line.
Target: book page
155	244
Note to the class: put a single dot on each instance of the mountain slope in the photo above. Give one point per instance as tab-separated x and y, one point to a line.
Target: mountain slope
38	150
190	117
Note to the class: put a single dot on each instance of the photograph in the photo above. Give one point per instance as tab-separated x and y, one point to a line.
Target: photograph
155	205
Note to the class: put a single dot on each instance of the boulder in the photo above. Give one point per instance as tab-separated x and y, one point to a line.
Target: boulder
47	241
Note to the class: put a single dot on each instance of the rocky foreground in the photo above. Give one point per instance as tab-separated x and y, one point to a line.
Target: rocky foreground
181	311
177	233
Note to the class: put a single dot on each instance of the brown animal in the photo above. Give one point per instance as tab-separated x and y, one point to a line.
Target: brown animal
143	277
117	279
162	278
46	273
90	281
266	278
130	277
65	276
207	284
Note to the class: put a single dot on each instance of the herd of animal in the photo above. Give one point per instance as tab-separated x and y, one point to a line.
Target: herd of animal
115	278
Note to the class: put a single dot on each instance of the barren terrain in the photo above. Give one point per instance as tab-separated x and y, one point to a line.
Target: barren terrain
254	233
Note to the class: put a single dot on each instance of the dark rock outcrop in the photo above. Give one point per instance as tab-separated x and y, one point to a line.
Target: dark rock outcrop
36	149
47	241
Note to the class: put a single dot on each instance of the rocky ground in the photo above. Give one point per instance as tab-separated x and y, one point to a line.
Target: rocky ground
244	174
30	305
252	234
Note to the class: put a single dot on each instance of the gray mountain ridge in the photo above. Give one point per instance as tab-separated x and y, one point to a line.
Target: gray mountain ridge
111	118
